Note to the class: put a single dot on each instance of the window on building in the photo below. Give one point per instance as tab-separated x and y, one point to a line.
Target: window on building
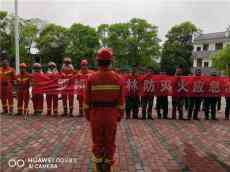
198	48
219	46
199	62
206	64
205	47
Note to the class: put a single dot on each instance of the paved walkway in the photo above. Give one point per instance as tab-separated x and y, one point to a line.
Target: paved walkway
142	146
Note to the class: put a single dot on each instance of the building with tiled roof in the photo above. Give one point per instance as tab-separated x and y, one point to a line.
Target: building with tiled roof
205	45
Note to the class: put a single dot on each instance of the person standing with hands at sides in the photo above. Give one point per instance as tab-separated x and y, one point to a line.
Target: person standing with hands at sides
82	77
23	81
7	75
104	107
68	72
52	98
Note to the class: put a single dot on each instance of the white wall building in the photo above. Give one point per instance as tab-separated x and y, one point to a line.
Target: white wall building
205	45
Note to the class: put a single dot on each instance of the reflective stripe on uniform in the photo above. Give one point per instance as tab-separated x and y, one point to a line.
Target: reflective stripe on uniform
105	87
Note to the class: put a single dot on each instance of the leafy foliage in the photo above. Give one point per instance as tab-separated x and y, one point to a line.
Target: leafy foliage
177	49
221	60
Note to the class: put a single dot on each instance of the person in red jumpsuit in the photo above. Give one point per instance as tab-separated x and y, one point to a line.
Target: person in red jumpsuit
82	77
68	97
104	107
23	84
37	97
52	98
7	75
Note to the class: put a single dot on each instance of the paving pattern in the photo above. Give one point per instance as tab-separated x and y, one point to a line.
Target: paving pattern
142	146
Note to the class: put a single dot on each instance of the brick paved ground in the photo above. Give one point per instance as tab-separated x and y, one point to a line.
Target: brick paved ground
142	146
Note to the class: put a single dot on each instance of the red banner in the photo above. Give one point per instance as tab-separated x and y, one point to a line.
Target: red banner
144	85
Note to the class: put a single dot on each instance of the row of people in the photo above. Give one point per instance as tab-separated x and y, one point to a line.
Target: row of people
191	104
24	81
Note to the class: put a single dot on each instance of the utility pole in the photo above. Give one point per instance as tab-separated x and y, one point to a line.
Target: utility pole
17	58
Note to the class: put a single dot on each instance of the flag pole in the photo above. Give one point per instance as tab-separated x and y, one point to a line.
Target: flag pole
17	60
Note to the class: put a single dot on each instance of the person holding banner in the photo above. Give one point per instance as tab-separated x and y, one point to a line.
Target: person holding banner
23	81
7	75
82	77
68	97
104	107
147	95
210	103
37	94
194	102
162	104
177	101
52	98
132	97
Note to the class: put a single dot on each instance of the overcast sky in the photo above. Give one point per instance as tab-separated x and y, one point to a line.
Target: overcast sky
208	15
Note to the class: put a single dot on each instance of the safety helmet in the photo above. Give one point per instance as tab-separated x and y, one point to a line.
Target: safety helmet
104	54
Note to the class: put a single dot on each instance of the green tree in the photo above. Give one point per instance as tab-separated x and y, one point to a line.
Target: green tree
7	33
102	31
177	49
134	42
221	60
27	33
51	43
81	42
143	42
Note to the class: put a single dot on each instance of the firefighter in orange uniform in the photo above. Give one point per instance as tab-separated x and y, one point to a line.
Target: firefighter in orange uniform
52	98
7	75
37	97
23	84
67	73
104	107
82	77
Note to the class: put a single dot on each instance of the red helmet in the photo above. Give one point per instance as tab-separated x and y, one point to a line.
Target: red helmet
37	65
104	54
23	65
84	62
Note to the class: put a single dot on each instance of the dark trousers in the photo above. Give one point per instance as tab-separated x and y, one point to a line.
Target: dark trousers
186	102
227	108
162	104
147	106
132	105
194	107
177	105
219	103
210	104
